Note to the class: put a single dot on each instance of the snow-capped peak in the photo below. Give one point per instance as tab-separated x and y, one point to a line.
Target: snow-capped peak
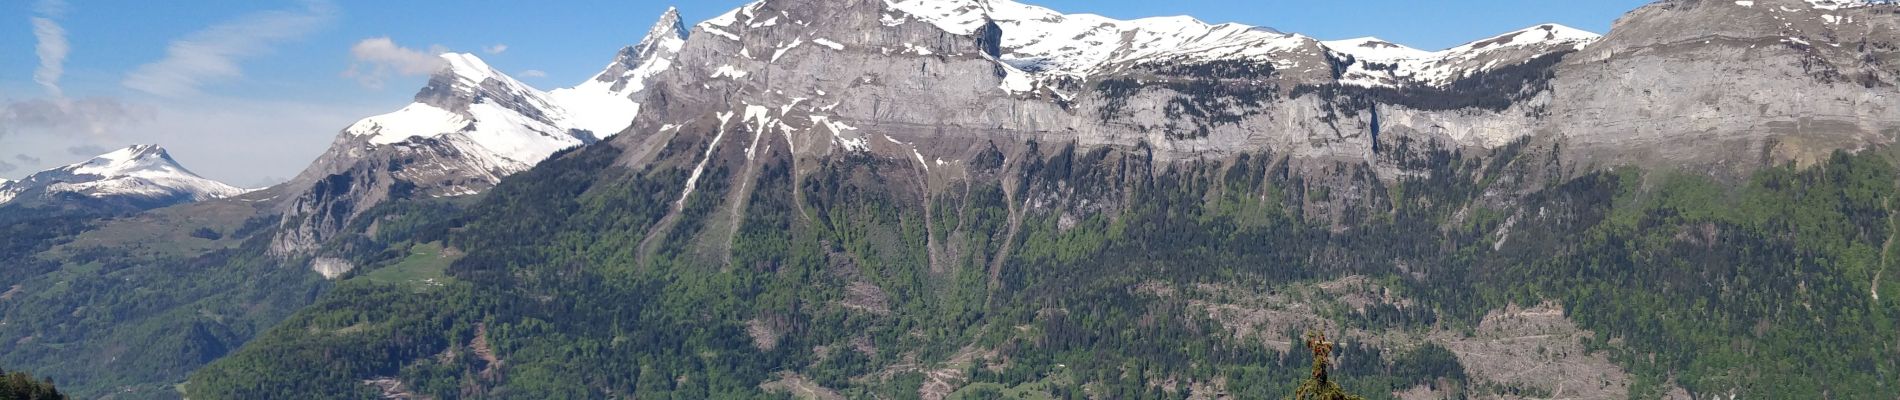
625	73
507	125
605	105
142	170
514	125
469	68
129	161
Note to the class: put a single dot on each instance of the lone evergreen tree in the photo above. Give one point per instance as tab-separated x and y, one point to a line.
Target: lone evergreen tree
1320	386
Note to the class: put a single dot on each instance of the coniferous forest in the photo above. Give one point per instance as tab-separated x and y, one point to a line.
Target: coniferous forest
1685	281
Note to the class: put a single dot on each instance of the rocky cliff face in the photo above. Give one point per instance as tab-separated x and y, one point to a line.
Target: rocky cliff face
938	80
935	84
931	87
1731	85
850	75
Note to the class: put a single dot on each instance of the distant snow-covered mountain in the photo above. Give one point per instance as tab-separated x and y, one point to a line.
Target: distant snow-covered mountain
145	175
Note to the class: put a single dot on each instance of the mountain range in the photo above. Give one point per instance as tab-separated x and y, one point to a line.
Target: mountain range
968	198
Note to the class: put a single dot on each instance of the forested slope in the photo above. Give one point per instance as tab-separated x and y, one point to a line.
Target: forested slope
1073	273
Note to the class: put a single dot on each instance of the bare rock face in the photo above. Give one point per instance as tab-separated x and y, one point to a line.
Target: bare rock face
415	168
939	82
331	267
936	85
1731	85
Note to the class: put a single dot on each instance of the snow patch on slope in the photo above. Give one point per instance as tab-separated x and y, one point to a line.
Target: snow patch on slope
1840	4
828	43
692	181
1048	43
962	17
1376	49
414	120
1398	64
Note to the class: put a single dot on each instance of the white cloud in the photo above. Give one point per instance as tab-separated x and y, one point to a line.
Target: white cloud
212	54
498	48
534	73
52	49
378	58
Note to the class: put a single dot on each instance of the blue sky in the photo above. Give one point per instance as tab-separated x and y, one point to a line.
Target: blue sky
249	91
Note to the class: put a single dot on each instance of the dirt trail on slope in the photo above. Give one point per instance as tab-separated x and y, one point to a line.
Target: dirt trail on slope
1886	251
486	353
651	244
1009	239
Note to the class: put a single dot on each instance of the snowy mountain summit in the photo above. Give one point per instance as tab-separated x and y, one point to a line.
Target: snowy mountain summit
500	125
142	174
470	126
505	123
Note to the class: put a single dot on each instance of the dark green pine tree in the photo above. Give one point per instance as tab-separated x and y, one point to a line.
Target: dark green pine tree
1320	386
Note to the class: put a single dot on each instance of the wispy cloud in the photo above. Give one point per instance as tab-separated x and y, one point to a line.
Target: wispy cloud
534	73
50	8
51	45
97	117
378	58
213	53
498	48
52	49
